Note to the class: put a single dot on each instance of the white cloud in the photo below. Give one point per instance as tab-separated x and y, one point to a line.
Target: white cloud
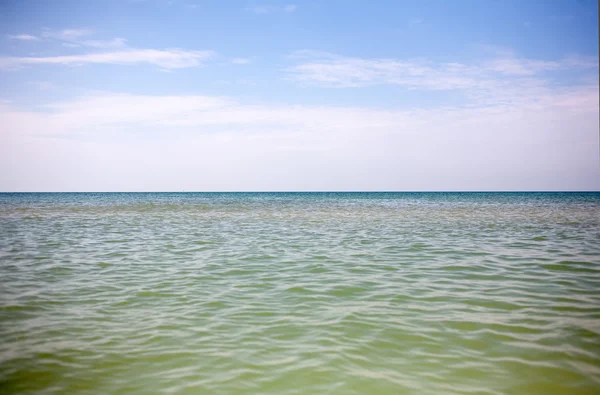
577	61
267	8
544	141
121	54
193	110
522	66
240	60
114	43
236	82
75	38
44	85
24	37
167	59
66	34
261	9
495	80
336	71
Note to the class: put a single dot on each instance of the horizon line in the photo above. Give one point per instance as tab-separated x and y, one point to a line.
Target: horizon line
325	191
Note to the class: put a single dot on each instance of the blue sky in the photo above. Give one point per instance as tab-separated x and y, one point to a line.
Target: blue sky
308	95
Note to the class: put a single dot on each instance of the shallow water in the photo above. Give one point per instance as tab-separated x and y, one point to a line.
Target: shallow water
282	293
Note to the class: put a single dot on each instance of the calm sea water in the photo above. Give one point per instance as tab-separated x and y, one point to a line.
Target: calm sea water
300	293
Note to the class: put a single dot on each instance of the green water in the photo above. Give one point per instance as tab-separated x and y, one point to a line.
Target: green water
300	293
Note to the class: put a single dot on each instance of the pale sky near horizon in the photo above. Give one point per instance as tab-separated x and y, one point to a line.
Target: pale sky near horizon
157	95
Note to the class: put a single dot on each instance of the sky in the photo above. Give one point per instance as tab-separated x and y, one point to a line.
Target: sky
315	95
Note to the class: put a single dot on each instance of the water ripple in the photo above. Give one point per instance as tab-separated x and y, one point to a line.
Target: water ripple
300	293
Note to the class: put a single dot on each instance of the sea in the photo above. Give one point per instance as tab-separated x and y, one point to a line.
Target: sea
300	293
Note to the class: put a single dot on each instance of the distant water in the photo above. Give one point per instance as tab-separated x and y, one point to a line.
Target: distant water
300	293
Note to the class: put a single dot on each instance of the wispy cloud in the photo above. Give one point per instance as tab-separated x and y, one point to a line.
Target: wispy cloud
116	51
114	43
66	34
267	8
495	79
302	147
167	59
240	60
44	85
194	110
521	67
72	38
338	71
23	37
80	37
